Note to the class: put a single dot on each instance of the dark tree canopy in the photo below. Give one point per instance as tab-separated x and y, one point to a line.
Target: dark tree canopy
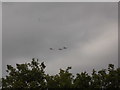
32	75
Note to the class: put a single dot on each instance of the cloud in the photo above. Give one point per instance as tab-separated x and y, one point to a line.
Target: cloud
30	29
98	52
0	40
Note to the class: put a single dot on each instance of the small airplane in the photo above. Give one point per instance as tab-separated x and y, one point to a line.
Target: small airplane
51	48
64	47
59	49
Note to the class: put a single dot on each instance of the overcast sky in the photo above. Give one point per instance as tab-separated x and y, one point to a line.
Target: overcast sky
89	30
60	0
0	39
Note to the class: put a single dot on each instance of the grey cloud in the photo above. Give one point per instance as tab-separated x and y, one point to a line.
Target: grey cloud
0	40
30	29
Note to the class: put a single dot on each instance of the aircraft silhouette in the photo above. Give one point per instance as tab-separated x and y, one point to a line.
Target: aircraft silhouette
51	48
64	47
59	49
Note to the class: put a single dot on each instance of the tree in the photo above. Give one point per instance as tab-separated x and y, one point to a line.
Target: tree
62	80
32	75
82	80
0	83
28	75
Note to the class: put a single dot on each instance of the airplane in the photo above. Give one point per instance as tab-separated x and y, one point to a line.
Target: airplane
51	48
59	49
64	47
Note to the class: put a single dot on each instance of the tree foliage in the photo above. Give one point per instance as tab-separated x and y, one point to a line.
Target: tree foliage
32	75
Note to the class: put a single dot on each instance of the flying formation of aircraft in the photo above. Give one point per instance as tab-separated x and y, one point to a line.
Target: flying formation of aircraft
59	48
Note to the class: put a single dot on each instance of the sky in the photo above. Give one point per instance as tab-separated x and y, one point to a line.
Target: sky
60	0
0	39
88	30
